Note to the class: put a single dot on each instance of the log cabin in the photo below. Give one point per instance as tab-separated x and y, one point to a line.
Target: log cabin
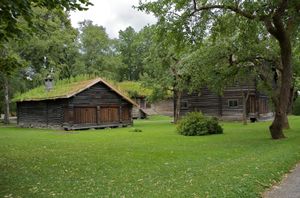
230	105
79	105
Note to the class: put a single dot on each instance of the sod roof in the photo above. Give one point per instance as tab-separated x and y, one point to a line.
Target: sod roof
65	89
134	89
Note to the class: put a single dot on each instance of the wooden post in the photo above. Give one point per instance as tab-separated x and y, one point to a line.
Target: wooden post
71	115
120	114
47	113
130	114
257	105
98	115
220	106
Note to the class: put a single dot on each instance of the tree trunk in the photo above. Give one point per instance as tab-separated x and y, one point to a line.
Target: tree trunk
174	104
177	106
291	99
6	101
285	123
280	121
245	99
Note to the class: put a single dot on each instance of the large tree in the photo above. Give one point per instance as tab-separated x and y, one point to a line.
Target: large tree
11	12
9	61
163	66
197	18
16	21
98	51
53	46
131	46
53	40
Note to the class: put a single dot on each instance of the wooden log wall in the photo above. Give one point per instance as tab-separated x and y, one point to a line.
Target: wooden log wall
98	95
41	113
213	104
205	101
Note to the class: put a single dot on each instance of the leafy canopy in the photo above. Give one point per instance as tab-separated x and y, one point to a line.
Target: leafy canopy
12	11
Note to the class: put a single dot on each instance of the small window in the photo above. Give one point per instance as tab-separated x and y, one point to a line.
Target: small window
232	103
184	104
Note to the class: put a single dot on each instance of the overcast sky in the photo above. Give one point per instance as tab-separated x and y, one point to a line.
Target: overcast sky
114	15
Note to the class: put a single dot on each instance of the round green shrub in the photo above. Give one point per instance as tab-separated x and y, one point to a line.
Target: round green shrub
296	106
195	124
213	126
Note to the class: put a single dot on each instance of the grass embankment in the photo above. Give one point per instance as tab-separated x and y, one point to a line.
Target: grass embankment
156	162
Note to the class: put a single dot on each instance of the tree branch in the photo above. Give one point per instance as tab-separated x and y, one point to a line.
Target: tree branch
235	9
281	8
277	20
280	29
271	29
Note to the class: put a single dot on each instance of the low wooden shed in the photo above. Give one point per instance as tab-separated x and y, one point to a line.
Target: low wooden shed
78	105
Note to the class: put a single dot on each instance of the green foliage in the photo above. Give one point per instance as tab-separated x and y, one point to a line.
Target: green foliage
9	60
56	40
296	106
12	11
155	163
135	130
213	126
98	51
131	46
195	124
134	89
227	40
163	68
22	58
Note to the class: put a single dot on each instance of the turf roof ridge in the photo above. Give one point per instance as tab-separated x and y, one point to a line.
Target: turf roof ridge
90	82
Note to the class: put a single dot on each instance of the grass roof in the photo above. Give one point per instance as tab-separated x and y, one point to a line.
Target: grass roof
68	87
61	89
134	89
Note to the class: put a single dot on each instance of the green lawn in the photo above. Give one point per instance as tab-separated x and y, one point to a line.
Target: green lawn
156	162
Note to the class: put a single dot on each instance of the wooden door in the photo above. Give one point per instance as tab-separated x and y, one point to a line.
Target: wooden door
126	113
109	114
85	115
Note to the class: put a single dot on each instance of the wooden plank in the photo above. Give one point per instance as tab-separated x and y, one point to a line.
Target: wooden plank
109	114
85	115
220	106
120	114
98	115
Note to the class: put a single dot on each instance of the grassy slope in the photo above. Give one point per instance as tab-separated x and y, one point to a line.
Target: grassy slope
154	163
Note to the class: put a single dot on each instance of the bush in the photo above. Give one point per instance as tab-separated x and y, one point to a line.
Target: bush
195	124
296	107
135	130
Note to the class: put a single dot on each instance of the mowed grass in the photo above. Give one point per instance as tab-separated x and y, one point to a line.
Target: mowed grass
156	162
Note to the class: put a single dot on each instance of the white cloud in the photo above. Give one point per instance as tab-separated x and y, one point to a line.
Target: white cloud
114	15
